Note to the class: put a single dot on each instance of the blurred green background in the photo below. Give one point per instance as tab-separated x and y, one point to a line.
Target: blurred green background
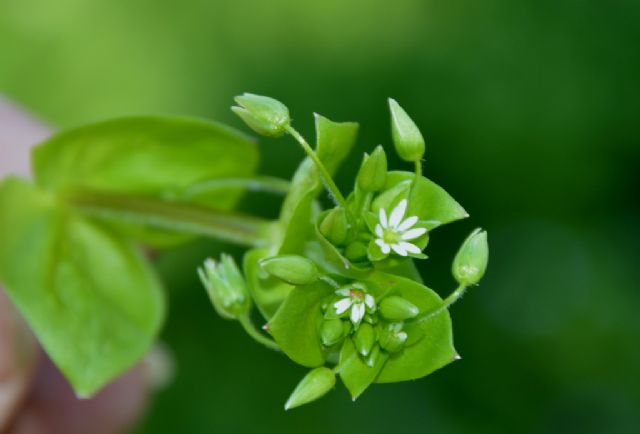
531	113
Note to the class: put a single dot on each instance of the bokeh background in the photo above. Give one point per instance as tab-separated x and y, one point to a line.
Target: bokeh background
531	112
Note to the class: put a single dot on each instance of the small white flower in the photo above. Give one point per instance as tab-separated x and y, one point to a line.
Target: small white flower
395	232
357	300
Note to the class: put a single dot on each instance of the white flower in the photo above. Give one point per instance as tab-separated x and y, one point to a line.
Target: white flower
357	300
395	232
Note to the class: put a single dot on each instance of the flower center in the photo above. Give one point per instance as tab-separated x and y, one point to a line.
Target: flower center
358	296
390	236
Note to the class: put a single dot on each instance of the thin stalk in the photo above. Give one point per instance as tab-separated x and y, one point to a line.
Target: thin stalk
179	217
326	176
452	298
251	330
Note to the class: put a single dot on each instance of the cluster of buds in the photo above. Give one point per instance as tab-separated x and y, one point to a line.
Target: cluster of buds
376	230
374	326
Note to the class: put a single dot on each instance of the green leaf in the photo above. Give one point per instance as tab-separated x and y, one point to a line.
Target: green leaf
157	157
434	347
92	300
356	375
428	201
334	142
296	324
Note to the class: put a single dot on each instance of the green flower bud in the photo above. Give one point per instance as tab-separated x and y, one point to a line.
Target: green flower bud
406	136
471	260
264	115
364	339
292	269
395	308
226	287
373	172
335	226
392	338
373	356
356	251
331	331
314	385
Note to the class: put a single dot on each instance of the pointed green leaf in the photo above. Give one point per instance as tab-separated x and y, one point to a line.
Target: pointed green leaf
296	324
428	201
434	347
92	300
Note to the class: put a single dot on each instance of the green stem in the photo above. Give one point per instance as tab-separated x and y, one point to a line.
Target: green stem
179	217
251	330
326	176
452	298
266	184
418	171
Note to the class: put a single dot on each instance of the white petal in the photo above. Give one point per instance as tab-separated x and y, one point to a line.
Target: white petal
342	305
357	312
399	249
413	233
379	231
344	292
407	223
369	301
382	216
397	214
411	248
383	246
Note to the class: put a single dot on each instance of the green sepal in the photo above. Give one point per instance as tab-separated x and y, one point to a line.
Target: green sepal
356	375
406	136
267	292
471	260
265	115
292	269
364	339
372	175
317	383
395	308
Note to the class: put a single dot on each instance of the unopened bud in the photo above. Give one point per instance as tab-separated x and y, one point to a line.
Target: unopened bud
373	356
264	115
471	260
373	172
406	136
292	269
364	339
392	338
335	226
395	308
331	331
356	251
226	287
314	385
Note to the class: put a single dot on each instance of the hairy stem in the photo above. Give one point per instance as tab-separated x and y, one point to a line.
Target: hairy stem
452	298
179	217
324	173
